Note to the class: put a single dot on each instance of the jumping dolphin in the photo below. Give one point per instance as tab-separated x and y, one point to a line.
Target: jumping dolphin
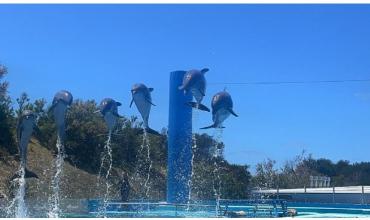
25	127
222	107
195	82
109	109
143	101
61	101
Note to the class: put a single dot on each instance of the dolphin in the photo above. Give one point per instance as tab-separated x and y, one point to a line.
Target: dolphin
143	101
222	107
109	109
61	101
25	127
195	82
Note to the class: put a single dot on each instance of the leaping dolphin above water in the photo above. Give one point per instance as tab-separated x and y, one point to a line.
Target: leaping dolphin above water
61	101
143	101
195	82
25	127
222	107
109	109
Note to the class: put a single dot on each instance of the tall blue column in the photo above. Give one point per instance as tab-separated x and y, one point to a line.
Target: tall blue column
179	141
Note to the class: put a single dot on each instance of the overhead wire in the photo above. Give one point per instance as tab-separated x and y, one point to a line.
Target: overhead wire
291	82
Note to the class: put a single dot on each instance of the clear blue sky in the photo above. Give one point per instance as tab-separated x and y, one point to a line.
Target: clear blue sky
99	51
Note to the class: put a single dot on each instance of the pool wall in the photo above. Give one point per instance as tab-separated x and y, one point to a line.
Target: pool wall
352	198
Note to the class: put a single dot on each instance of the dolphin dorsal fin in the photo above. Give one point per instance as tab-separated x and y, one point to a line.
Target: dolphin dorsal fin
204	70
150	89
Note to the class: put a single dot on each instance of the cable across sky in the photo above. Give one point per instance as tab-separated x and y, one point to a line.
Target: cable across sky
292	82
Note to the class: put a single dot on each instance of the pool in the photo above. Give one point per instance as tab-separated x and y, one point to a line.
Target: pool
322	210
233	209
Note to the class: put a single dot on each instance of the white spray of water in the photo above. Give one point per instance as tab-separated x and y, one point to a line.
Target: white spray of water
193	149
18	205
216	174
150	164
143	165
106	157
21	211
54	200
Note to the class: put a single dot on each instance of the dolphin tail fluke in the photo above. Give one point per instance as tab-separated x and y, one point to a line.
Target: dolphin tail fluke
151	131
203	108
212	126
208	127
233	113
117	115
199	106
139	131
30	174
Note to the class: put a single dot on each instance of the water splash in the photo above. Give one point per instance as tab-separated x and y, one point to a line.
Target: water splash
18	205
21	211
106	158
216	172
54	200
193	149
143	169
149	161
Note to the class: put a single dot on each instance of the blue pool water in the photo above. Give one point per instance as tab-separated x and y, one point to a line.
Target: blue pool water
207	210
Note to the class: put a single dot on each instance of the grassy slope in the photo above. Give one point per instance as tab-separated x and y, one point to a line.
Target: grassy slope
75	183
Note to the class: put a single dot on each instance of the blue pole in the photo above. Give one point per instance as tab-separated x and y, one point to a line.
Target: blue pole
179	141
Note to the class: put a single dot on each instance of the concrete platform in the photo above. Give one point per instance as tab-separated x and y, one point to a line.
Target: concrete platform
349	194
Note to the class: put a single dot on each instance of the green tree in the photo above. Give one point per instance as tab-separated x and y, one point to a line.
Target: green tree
7	141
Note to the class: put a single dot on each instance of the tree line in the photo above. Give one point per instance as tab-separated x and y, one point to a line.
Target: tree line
86	134
295	173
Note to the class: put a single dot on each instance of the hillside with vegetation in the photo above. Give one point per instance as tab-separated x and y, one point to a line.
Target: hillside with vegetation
86	135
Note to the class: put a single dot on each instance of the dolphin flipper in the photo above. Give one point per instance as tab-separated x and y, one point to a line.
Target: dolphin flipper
19	132
151	131
181	87
201	92
132	101
199	106
118	103
233	113
52	106
148	100
150	89
204	70
37	129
